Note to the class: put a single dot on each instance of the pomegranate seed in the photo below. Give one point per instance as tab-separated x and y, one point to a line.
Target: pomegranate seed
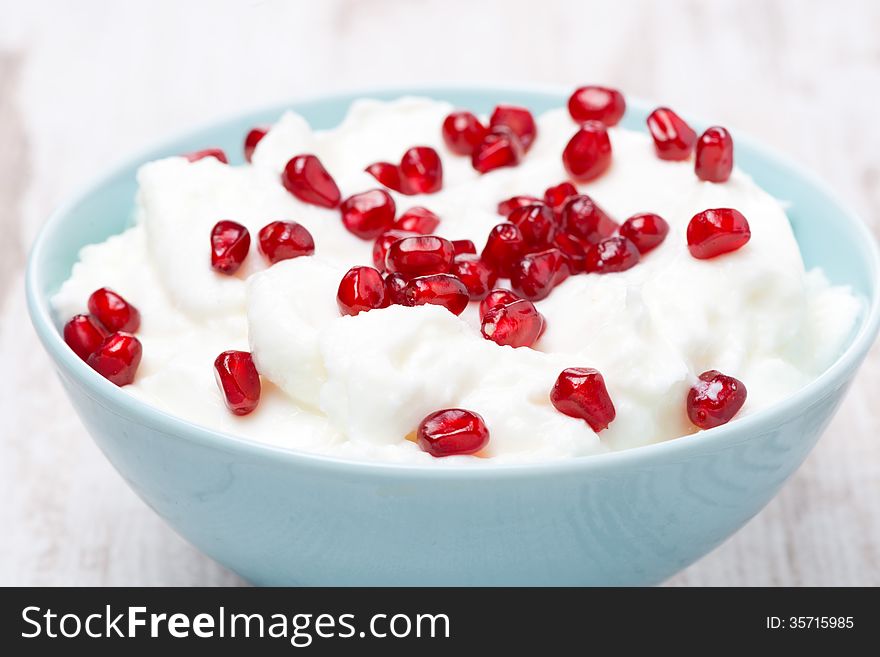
439	290
307	179
389	175
557	196
230	242
536	274
573	249
254	137
394	285
84	334
216	153
587	221
714	161
646	230
463	246
361	289
384	242
613	254
504	247
588	153
515	324
368	214
238	380
594	103
580	392
536	223
497	297
418	220
113	312
673	138
420	255
477	276
453	431
117	358
463	132
283	240
509	205
422	170
499	148
715	399
519	120
711	233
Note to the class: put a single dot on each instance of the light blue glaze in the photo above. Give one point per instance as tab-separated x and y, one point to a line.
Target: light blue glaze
281	517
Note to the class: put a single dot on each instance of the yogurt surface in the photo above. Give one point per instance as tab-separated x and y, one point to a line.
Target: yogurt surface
356	387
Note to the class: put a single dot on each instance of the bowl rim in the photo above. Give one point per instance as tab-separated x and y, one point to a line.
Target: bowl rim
118	402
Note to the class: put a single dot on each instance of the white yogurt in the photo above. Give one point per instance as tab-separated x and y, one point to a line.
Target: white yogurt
357	386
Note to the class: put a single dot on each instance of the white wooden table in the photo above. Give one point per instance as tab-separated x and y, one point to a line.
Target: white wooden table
84	84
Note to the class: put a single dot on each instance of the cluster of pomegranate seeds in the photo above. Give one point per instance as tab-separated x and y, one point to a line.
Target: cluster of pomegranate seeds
420	172
646	230
452	431
535	275
113	312
594	103
673	138
283	240
580	392
420	255
588	153
418	220
477	276
515	324
306	178
368	214
715	399
509	135
238	380
360	290
251	140
230	243
437	289
714	232
714	159
216	153
612	254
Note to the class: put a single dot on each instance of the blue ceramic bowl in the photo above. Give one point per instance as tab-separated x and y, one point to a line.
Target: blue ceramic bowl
282	517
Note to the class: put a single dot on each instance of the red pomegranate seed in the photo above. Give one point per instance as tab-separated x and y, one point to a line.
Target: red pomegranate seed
557	196
587	221
361	289
368	214
714	161
499	148
389	175
515	324
230	242
384	242
715	399
420	256
711	233
283	240
504	247
117	358
463	246
422	170
613	254
113	312
673	138
536	222
307	179
254	137
477	276
573	249
507	206
84	334
453	431
238	380
580	392
216	153
536	274
418	220
394	286
463	132
646	230
594	103
588	153
519	120
439	290
497	297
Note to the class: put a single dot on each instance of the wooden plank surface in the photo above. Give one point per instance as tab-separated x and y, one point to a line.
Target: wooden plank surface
84	84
